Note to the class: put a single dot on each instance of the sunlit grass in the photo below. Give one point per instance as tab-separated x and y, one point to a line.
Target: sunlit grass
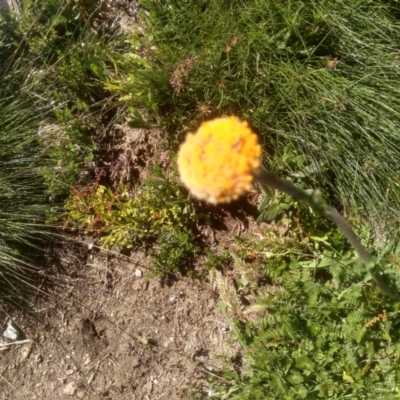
24	205
320	75
39	137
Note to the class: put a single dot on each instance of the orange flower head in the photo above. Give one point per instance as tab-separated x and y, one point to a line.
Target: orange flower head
219	161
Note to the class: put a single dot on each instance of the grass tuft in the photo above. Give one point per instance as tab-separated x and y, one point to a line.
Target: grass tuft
321	76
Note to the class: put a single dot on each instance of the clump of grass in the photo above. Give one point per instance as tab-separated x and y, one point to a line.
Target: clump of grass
67	63
52	68
319	75
24	205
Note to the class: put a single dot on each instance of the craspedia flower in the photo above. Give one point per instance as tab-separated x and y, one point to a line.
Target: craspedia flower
219	161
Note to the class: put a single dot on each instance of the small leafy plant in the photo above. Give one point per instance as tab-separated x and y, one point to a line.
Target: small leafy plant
316	328
159	213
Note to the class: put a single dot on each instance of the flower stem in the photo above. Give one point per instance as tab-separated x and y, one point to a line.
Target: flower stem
315	202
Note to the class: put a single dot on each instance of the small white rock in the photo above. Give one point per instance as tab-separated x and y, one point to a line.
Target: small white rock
70	389
11	332
87	360
26	352
139	272
38	358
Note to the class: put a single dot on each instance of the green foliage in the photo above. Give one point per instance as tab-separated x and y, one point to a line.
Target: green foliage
316	340
217	261
321	330
24	206
320	75
291	226
67	142
275	203
160	212
81	99
175	251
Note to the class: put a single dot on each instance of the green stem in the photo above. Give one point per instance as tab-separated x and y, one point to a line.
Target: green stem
314	201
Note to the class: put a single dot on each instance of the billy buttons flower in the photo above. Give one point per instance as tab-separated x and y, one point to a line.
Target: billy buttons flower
219	161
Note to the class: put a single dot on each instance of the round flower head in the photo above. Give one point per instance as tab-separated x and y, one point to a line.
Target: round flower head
219	161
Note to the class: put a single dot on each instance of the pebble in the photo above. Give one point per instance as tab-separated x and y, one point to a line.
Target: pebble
139	273
70	389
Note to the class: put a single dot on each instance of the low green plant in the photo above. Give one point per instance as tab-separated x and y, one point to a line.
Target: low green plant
84	109
318	328
320	337
160	213
293	225
219	260
175	251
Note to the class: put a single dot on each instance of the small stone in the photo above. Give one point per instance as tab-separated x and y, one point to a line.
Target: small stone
70	389
26	352
139	273
80	394
87	360
12	332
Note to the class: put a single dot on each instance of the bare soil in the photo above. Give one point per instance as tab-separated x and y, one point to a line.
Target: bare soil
109	333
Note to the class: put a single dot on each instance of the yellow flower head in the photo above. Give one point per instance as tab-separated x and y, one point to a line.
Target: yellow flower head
219	161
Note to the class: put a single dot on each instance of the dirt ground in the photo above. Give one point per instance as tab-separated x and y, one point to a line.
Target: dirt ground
109	333
96	328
